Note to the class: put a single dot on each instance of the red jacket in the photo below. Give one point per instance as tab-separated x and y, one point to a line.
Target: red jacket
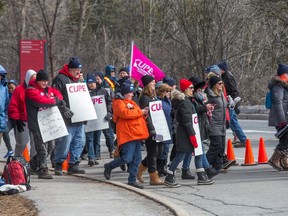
17	105
36	97
130	123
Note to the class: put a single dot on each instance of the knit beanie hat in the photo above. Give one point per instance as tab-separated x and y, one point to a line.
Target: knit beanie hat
125	69
12	82
214	80
146	79
42	76
197	82
109	69
2	70
127	87
91	78
74	63
223	66
282	68
122	80
184	84
100	74
169	80
158	84
215	69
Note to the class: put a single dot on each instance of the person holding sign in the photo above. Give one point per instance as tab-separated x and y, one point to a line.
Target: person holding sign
131	129
74	142
216	153
38	96
93	137
154	148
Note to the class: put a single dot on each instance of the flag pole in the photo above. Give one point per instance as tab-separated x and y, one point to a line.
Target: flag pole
131	59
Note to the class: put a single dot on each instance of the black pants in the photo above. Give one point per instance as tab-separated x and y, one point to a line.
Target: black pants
283	143
154	150
215	154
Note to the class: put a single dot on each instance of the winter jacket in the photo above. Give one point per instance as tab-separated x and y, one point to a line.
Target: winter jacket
144	101
4	100
130	123
59	82
183	111
218	121
279	109
36	98
230	84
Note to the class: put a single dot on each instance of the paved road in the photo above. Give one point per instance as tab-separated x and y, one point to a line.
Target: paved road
249	190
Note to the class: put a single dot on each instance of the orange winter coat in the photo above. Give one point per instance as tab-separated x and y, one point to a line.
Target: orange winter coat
130	123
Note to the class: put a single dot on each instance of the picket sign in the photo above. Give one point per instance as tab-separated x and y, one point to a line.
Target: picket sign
198	150
100	123
51	123
159	119
80	102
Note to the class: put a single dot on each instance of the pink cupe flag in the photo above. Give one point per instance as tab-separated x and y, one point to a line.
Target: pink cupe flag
141	65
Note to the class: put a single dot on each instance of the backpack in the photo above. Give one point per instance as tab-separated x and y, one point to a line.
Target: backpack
268	100
16	172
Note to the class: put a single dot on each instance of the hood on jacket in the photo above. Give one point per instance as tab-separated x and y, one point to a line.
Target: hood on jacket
277	81
65	71
29	74
176	98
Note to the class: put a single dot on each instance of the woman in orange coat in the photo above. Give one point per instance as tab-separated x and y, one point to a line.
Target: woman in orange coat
131	129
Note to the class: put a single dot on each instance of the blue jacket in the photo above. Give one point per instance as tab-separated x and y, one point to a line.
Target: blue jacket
4	100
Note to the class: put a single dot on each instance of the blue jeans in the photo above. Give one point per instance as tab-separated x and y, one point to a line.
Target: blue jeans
235	127
201	160
130	154
73	143
181	156
97	140
91	145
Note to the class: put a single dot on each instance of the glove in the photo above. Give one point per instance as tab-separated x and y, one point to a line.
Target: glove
67	112
20	125
282	124
108	117
231	103
227	124
59	102
152	134
193	141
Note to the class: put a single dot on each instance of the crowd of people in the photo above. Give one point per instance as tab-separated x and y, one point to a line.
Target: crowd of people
214	101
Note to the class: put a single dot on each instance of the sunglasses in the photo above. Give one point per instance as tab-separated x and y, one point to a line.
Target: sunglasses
191	87
220	83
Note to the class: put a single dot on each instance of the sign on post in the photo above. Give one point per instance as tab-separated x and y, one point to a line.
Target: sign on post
100	107
198	150
159	119
51	124
80	102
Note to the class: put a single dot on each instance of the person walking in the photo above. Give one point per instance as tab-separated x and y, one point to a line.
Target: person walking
278	117
75	140
4	100
154	149
131	129
39	95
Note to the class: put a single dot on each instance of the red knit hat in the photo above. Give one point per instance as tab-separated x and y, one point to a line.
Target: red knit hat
184	84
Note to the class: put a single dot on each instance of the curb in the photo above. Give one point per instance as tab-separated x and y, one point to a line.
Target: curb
152	196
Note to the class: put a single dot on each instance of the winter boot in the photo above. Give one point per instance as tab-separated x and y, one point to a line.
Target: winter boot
44	174
211	172
75	169
141	169
170	180
107	171
58	169
186	174
203	178
274	161
284	160
154	179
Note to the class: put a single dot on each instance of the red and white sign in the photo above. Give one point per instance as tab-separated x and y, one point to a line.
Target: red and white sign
32	56
80	102
198	150
159	119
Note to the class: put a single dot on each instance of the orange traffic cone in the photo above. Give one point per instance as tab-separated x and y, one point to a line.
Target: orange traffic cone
25	154
65	164
230	151
262	155
249	157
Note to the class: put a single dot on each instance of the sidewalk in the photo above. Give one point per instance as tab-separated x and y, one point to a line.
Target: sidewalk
91	194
